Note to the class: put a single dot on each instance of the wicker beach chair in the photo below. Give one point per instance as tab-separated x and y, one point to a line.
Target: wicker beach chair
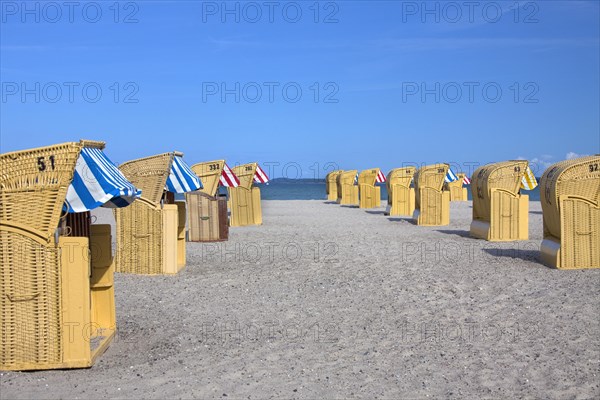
151	233
432	202
347	190
401	197
57	305
207	210
570	197
244	200
456	189
368	193
500	211
331	185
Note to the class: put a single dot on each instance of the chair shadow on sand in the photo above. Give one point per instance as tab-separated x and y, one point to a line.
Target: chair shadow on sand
330	202
375	212
522	254
536	212
403	219
457	232
349	206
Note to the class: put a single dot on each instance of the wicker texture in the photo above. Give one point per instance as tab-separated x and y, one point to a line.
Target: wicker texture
245	206
208	221
34	185
570	197
369	194
245	173
140	227
209	173
431	201
150	175
331	185
456	189
139	239
347	191
505	175
30	313
401	197
244	200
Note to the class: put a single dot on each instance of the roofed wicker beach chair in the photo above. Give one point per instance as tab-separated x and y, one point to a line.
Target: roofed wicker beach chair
347	190
207	210
244	200
331	185
456	189
401	196
500	211
432	202
369	194
57	307
570	197
151	233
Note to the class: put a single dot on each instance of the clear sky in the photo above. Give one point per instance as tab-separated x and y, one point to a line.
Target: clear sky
355	84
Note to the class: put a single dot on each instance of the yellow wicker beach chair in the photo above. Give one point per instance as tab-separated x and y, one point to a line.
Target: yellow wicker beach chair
369	194
432	202
500	212
57	306
331	185
151	233
244	200
401	197
347	190
570	197
207	211
456	189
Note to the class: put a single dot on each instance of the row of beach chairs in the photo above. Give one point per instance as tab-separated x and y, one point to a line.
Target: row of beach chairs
569	195
57	307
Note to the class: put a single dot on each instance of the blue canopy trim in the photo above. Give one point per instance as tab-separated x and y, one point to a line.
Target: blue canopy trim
182	179
97	182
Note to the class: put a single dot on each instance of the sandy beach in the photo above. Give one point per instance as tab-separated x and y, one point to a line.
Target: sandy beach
325	301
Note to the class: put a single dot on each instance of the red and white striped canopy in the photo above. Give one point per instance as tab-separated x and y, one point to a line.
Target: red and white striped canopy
466	180
260	176
380	177
228	178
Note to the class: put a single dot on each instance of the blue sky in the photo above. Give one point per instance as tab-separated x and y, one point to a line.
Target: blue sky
382	83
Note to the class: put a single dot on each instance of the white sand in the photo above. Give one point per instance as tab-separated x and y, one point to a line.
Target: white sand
325	301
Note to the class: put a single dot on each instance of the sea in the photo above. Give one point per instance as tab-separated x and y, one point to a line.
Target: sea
311	189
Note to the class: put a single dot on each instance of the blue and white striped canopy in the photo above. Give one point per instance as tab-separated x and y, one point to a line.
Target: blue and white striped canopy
450	176
182	179
97	182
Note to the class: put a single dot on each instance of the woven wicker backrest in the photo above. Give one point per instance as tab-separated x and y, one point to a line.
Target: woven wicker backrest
431	177
331	178
34	183
347	177
245	173
150	174
400	176
457	183
209	173
368	177
578	177
504	175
